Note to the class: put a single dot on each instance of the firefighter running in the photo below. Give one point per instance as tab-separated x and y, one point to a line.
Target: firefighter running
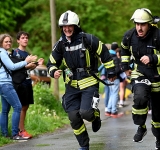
144	47
79	53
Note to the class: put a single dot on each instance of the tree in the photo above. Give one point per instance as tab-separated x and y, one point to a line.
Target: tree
9	11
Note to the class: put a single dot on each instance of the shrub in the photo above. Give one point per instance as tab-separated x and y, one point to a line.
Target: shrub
43	96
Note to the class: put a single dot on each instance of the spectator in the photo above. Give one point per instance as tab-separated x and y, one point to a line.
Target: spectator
114	89
24	90
8	94
103	76
123	83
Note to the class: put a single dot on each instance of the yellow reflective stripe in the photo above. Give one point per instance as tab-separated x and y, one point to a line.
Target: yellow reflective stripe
125	58
158	63
155	124
135	74
155	87
52	59
84	83
67	79
158	69
74	83
52	68
64	62
87	58
96	113
109	64
99	50
131	52
87	82
80	130
139	111
125	47
158	56
158	59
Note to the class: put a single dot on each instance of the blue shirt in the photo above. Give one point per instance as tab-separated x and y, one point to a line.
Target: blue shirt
4	77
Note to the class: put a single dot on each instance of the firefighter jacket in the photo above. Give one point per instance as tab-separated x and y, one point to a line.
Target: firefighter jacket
80	56
135	48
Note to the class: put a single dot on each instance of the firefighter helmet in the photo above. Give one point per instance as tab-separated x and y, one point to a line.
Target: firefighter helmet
142	15
69	18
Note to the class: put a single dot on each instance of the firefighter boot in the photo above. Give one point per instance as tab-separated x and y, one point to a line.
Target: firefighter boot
96	124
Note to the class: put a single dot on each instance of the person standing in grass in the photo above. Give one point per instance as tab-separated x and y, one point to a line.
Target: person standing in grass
8	94
24	90
79	52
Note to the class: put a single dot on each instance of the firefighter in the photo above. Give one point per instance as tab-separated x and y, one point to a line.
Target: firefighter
143	45
79	53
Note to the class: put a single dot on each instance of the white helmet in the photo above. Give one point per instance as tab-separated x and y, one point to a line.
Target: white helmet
142	15
69	18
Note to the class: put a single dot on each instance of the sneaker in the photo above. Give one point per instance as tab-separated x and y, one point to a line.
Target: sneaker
120	105
84	148
18	137
25	134
107	113
157	144
96	124
141	132
116	115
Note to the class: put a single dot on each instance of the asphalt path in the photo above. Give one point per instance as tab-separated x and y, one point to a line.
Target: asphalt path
115	134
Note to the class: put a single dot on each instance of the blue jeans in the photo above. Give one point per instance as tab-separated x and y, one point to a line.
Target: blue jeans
9	98
113	96
106	90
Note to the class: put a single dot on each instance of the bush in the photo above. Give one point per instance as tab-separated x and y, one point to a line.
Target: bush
43	96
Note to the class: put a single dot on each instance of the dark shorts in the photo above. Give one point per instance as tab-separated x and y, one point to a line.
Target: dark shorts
25	94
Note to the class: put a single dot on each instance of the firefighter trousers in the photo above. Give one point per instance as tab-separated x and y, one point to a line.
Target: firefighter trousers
142	95
77	103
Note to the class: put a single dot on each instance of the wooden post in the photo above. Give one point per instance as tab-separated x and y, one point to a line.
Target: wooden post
53	37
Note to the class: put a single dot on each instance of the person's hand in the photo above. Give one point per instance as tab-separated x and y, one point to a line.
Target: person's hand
128	72
31	58
145	59
57	74
112	78
31	66
40	61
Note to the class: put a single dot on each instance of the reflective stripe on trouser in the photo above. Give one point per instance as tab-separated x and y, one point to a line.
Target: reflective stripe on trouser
79	128
82	136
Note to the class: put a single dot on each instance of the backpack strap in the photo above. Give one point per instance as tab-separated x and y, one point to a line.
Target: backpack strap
129	36
87	39
156	39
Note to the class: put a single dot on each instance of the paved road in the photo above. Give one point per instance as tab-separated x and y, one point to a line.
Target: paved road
115	134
